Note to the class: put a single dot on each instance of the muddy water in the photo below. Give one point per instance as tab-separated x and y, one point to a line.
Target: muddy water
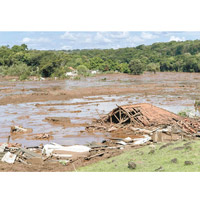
174	93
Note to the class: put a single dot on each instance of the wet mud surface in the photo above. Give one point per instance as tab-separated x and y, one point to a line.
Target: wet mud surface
31	103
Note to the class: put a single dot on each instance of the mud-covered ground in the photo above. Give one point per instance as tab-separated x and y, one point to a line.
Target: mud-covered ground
29	103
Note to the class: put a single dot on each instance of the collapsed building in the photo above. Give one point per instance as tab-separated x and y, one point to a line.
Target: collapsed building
161	124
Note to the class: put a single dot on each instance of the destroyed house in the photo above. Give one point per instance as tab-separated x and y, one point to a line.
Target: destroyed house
142	114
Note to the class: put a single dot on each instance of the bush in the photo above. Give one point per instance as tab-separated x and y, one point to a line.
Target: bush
136	67
153	67
83	70
183	114
21	70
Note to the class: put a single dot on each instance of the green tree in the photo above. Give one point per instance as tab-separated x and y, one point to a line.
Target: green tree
136	67
153	67
82	70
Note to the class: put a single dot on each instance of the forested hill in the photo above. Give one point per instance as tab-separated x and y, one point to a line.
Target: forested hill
170	56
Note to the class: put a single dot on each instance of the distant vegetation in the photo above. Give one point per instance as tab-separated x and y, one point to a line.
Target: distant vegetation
171	56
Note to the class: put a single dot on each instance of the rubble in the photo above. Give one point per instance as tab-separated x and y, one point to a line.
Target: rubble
9	158
43	136
20	129
142	120
127	127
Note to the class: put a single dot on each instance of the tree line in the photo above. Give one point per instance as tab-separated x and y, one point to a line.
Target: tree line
171	56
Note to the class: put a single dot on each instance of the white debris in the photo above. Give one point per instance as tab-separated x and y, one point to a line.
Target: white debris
9	158
111	147
112	129
142	140
62	155
48	148
121	142
128	139
2	147
141	130
18	129
78	148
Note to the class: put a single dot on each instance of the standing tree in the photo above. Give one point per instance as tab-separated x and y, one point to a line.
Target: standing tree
153	67
136	67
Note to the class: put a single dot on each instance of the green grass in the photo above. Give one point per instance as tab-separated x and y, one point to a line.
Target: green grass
149	162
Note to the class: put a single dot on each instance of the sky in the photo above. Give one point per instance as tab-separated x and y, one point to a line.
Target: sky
53	40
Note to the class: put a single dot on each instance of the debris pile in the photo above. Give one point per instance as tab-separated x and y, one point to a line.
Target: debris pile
43	136
146	119
20	129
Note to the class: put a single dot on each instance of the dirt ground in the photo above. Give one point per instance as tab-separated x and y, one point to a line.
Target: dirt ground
28	103
109	84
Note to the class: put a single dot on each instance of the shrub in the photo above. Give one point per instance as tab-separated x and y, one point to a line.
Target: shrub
136	67
153	67
21	70
183	114
82	70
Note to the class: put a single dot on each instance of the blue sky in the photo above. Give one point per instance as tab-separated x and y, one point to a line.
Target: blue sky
90	40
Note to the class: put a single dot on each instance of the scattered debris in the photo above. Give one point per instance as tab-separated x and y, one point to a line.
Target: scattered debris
9	158
121	142
2	147
58	120
43	136
20	129
49	148
159	169
146	121
93	156
131	165
139	141
174	160
128	139
188	163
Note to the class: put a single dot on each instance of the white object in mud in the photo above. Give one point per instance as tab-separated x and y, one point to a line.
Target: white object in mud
121	142
128	139
48	148
142	140
62	155
9	158
2	147
18	129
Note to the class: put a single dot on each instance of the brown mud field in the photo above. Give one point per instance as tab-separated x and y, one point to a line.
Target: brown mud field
33	105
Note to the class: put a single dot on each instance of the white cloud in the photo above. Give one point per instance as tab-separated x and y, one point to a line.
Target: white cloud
26	40
135	39
119	35
100	38
66	47
177	39
35	40
148	36
69	36
88	40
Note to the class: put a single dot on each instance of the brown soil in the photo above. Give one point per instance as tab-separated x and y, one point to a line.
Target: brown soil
156	84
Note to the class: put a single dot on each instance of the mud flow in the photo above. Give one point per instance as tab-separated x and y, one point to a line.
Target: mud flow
62	109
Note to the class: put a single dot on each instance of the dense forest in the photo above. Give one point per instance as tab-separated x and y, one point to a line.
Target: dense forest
171	56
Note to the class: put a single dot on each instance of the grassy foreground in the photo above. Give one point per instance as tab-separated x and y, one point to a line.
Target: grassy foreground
149	162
